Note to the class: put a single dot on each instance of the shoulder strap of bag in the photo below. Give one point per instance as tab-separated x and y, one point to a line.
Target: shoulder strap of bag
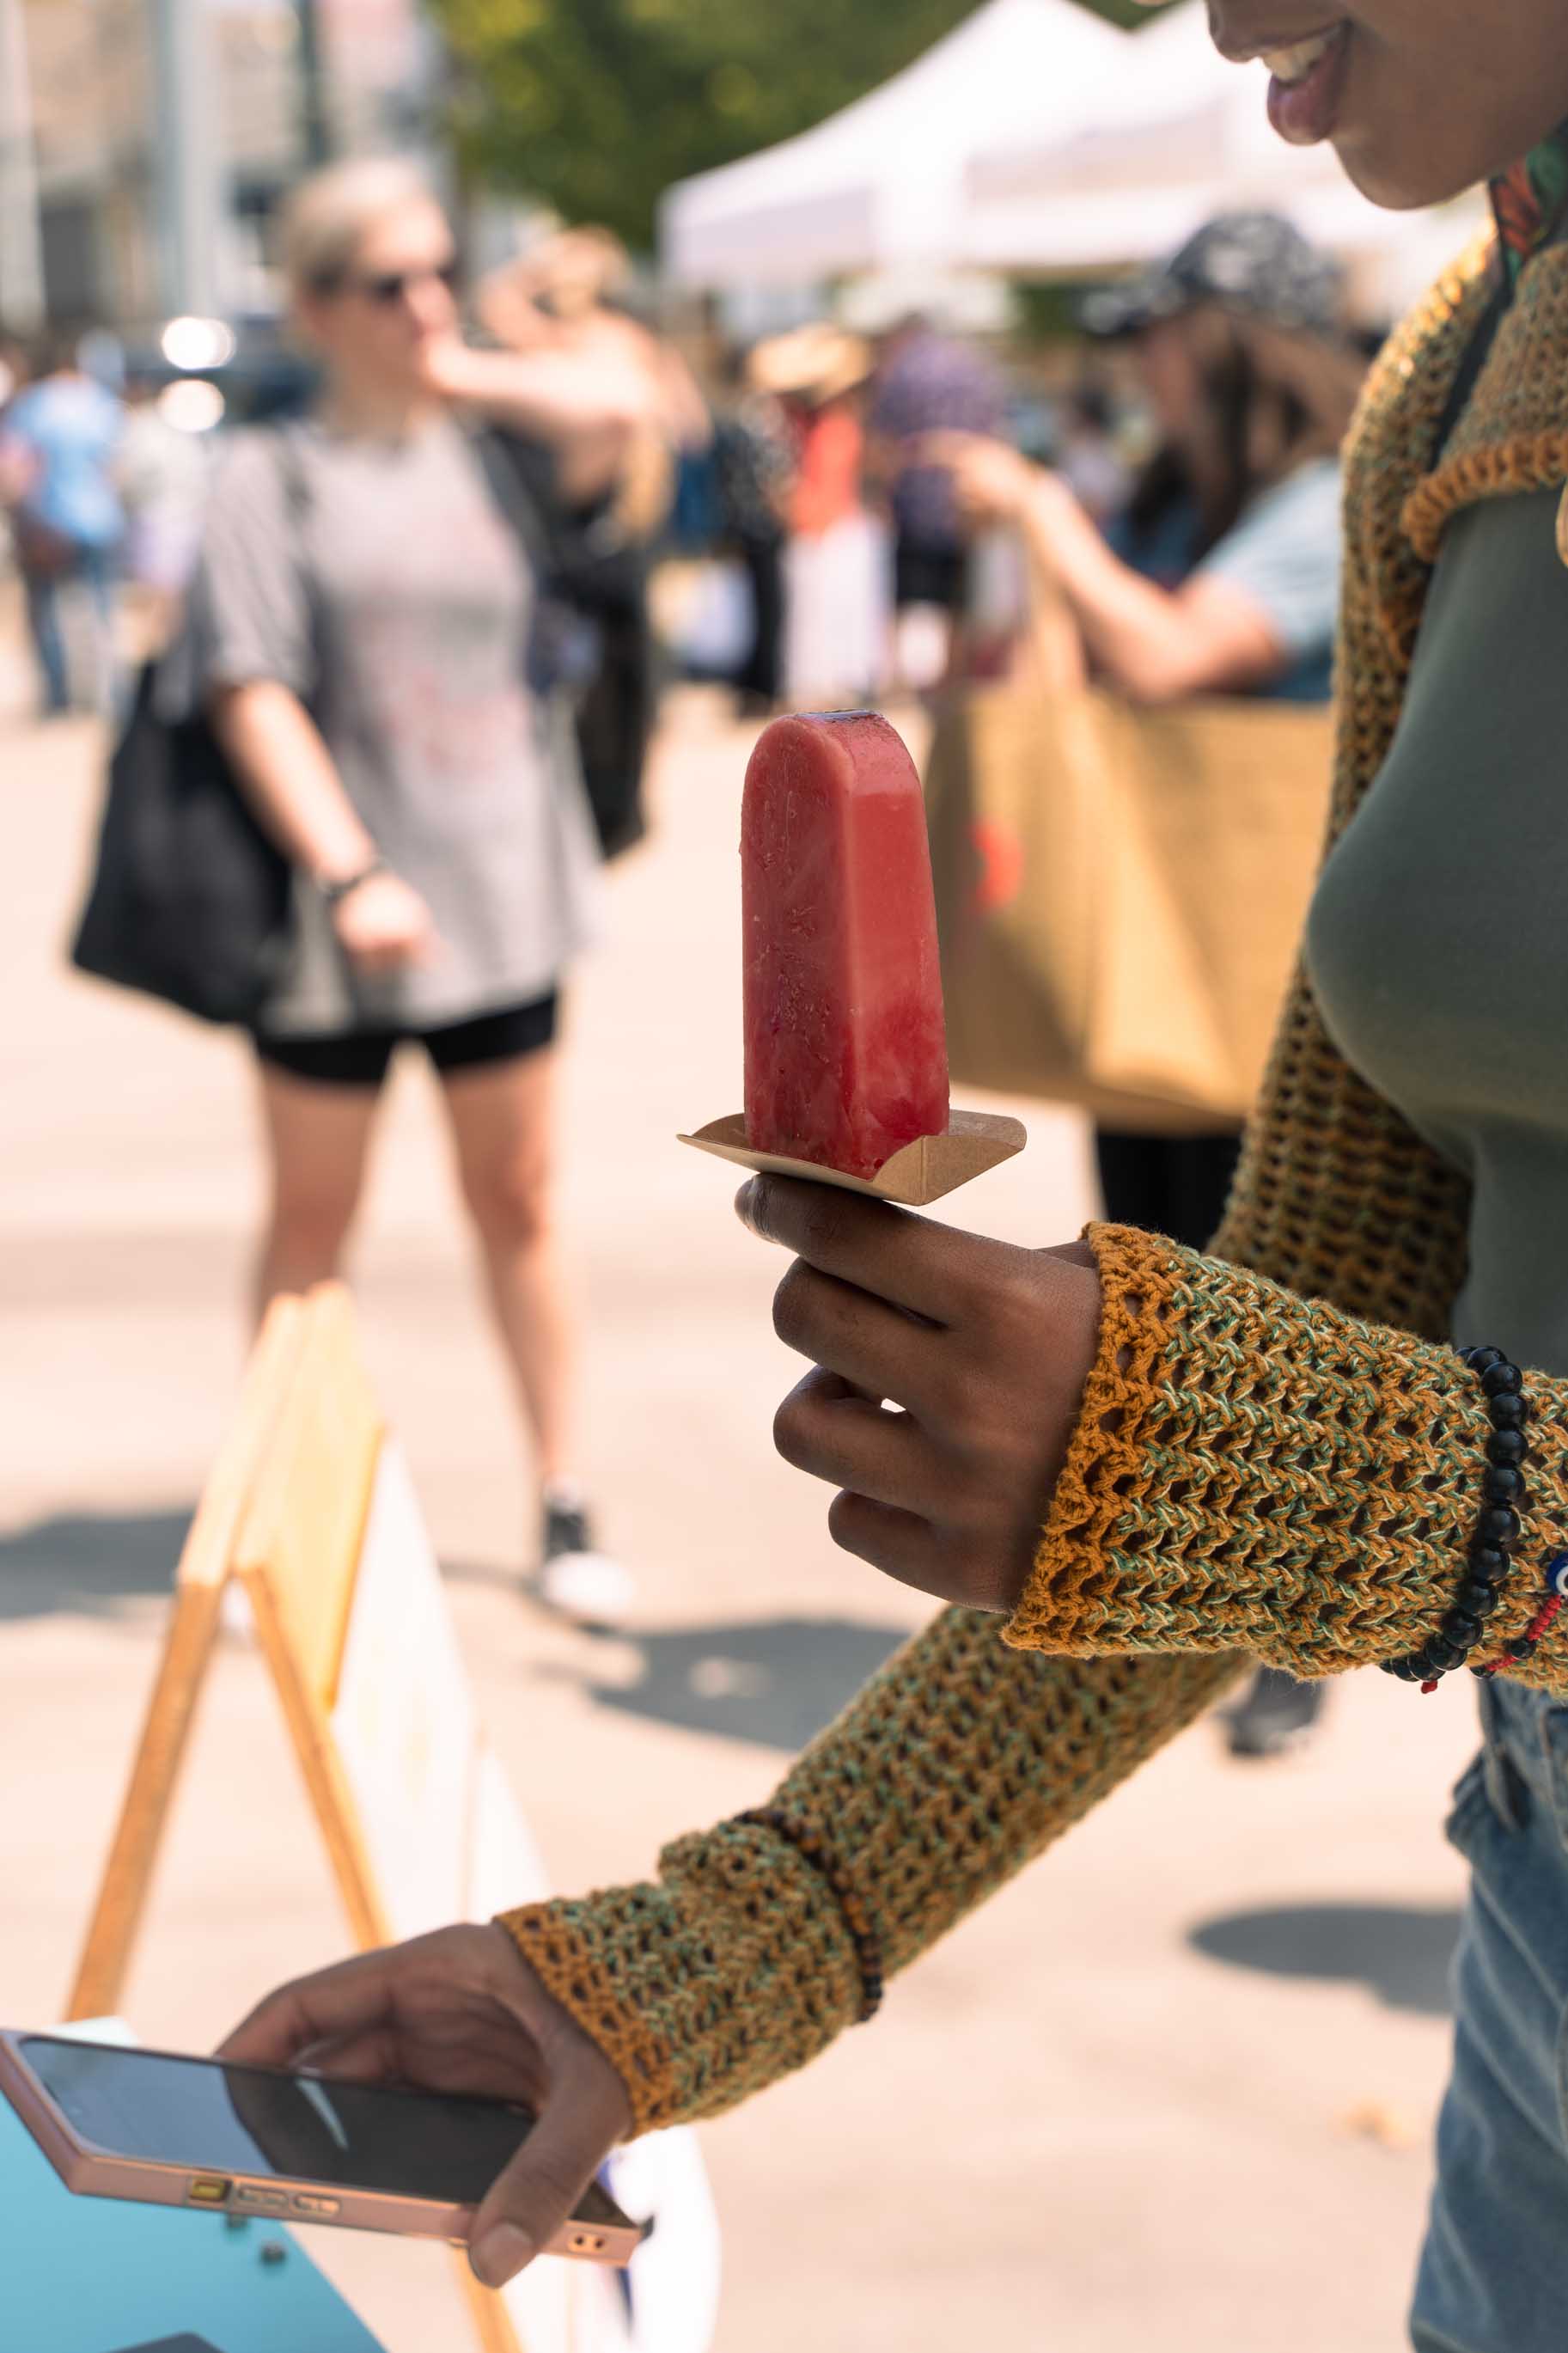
289	451
285	439
514	500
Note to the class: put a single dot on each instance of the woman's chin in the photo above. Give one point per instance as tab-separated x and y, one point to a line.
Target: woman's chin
1396	183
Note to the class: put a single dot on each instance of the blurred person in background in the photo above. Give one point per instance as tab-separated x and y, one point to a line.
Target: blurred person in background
927	382
755	458
607	494
1127	1466
13	367
164	475
837	583
1086	456
13	470
1221	576
59	444
359	626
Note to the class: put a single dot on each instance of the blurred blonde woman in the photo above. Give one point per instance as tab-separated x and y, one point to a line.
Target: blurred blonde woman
359	628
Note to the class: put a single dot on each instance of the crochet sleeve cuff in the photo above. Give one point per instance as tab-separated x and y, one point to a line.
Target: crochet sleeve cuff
1259	1471
959	1762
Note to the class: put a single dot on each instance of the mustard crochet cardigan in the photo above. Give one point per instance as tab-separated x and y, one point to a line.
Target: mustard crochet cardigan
1278	1456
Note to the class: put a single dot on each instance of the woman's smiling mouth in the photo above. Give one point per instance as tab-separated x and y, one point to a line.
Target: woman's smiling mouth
1308	77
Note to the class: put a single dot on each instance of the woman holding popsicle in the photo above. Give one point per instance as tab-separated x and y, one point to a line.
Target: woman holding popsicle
1222	576
1339	1438
359	629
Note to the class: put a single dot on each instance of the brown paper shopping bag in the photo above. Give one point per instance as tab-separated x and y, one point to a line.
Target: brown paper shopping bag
1121	893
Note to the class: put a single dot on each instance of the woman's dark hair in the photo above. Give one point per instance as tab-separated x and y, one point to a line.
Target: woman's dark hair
1272	399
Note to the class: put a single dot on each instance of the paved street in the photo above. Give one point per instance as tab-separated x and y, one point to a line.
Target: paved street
1173	2089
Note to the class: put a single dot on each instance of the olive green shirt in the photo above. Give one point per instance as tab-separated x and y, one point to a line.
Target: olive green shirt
1438	938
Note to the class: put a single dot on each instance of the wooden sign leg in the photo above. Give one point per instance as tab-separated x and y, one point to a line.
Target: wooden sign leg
123	1895
199	1582
285	1515
331	1799
492	2322
332	1804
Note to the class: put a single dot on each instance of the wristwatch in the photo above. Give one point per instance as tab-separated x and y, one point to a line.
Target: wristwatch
336	890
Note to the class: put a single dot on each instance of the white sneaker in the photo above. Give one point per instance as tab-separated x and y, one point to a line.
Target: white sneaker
575	1578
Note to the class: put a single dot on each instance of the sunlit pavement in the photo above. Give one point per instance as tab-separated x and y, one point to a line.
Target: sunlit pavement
1172	2089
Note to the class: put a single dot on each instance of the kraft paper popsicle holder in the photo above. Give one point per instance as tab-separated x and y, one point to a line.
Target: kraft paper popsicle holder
841	964
924	1171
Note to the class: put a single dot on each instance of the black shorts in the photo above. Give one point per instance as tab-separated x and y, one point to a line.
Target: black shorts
924	574
362	1058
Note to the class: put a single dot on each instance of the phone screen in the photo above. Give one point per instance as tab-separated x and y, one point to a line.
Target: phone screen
216	2118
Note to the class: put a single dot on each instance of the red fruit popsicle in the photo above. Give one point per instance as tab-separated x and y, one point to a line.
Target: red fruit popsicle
845	1039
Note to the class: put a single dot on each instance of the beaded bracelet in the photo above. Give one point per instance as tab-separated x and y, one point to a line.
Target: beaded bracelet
862	1935
1553	1602
1492	1555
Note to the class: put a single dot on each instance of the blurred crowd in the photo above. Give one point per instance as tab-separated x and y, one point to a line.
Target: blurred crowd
109	451
819	536
847	567
830	563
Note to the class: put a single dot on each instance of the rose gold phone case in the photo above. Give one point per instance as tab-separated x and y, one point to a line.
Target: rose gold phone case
601	2234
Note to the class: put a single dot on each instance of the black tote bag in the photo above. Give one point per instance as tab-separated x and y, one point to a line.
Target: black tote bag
189	900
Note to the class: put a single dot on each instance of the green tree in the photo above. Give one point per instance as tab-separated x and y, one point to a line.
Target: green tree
596	106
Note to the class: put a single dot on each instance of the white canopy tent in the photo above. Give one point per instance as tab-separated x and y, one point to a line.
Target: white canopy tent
882	185
1169	135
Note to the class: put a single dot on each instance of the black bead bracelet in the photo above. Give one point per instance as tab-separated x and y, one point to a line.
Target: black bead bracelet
1497	1532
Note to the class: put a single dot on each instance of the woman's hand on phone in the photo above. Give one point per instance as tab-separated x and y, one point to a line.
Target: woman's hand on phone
460	2010
384	924
984	1349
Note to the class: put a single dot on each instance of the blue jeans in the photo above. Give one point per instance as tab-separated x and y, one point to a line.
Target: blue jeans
94	569
1494	2273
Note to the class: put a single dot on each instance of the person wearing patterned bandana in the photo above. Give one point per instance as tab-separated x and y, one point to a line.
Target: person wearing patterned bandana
1130	1470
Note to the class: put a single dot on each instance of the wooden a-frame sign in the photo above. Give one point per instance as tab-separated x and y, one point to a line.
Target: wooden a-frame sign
284	1513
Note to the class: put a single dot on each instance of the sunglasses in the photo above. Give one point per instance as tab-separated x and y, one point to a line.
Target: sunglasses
389	287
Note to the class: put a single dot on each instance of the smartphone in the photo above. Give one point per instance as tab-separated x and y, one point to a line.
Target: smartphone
170	2130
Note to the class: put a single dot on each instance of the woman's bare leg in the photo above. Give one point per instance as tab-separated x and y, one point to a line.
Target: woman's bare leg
318	1145
503	1130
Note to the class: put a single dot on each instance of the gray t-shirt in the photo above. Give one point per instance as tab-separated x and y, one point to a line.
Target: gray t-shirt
382	584
1436	937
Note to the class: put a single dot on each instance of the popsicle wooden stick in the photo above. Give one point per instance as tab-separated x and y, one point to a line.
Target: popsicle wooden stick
921	1173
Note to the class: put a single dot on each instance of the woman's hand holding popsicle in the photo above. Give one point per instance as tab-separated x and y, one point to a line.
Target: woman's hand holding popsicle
984	1349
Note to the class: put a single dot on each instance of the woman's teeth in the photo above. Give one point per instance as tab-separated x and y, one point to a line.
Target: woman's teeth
1294	64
